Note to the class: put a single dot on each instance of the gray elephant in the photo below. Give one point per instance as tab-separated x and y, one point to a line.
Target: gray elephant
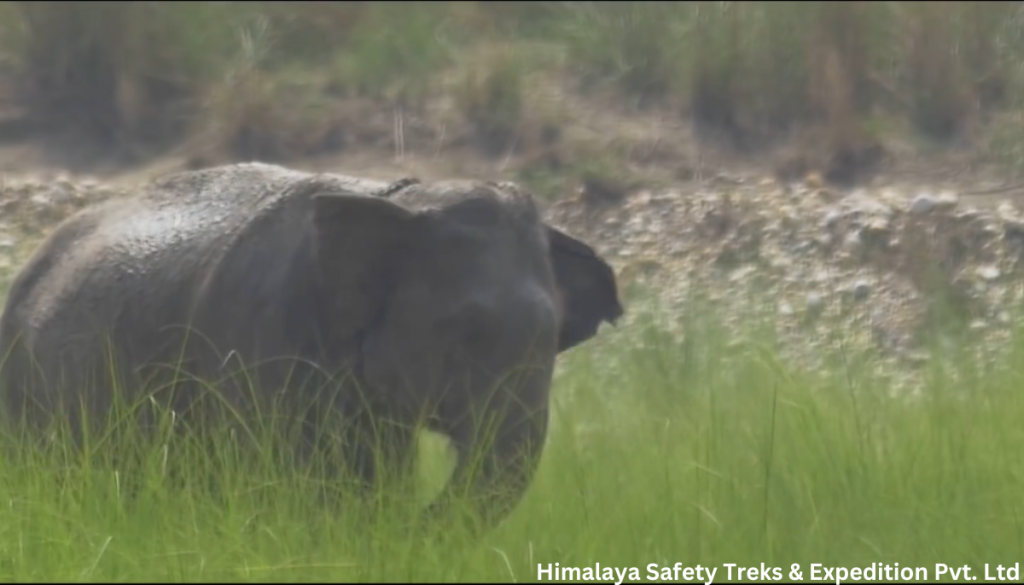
445	303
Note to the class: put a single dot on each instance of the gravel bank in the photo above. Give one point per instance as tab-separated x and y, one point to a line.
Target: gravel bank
856	272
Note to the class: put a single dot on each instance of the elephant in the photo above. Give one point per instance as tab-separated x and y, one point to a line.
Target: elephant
445	303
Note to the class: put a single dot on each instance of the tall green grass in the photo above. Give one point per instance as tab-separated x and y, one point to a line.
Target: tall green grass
706	451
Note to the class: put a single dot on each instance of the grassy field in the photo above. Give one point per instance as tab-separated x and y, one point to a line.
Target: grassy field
707	452
703	452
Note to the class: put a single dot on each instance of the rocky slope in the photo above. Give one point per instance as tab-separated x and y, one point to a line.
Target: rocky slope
869	273
855	272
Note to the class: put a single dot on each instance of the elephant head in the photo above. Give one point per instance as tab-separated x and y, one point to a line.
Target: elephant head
459	298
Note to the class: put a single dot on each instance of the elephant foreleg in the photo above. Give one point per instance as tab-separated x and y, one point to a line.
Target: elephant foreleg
380	452
495	466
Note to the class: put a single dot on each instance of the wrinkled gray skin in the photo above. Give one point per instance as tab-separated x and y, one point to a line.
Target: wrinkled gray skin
448	301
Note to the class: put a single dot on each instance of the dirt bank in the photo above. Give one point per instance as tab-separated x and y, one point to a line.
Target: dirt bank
834	272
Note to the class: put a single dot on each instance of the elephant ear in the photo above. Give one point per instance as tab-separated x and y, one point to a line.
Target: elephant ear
360	243
587	286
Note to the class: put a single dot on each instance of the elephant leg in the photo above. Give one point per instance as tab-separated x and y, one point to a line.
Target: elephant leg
496	463
381	451
364	451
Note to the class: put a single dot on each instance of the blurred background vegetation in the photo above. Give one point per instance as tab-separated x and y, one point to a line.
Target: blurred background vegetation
274	80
